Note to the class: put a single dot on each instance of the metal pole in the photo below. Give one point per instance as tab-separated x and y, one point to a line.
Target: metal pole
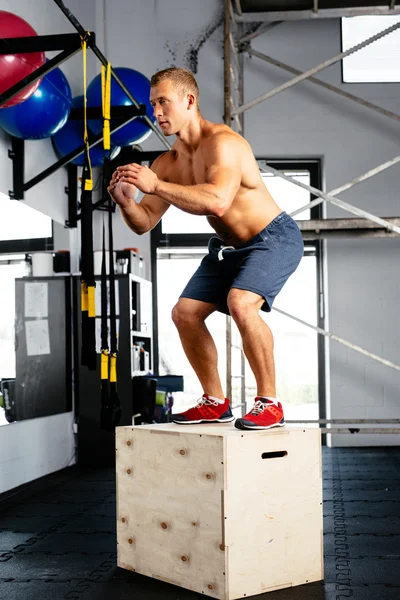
262	28
383	361
227	120
37	73
71	156
316	69
327	86
347	186
74	21
362	430
238	7
344	421
227	64
329	198
315	6
327	13
241	80
243	381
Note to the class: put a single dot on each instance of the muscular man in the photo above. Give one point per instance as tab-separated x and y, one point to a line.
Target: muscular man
211	171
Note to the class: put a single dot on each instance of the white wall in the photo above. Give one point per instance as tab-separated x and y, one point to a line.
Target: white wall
33	448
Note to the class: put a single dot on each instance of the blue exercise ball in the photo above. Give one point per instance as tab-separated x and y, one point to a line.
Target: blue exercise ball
43	113
70	137
139	86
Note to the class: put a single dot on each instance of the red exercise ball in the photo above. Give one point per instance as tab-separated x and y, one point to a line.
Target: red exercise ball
14	67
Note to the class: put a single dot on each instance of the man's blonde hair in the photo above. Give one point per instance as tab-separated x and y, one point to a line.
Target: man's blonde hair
182	79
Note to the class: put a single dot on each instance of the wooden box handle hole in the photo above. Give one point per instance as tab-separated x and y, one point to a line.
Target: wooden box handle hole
279	454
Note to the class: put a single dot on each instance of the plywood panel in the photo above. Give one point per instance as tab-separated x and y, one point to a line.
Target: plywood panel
169	519
274	510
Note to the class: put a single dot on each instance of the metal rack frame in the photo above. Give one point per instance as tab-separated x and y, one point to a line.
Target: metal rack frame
69	44
367	224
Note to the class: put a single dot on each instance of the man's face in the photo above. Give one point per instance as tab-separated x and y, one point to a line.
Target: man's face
170	107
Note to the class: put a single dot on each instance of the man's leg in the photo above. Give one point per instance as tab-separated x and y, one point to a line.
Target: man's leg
258	341
189	316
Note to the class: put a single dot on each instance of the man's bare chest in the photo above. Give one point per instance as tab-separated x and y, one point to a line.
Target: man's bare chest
186	172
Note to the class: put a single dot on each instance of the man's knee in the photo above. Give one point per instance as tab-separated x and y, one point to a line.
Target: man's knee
186	313
243	305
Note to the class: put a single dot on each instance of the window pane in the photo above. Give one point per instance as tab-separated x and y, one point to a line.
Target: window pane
8	273
21	222
177	221
378	62
288	196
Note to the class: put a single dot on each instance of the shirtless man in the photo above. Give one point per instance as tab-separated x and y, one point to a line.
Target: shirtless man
211	171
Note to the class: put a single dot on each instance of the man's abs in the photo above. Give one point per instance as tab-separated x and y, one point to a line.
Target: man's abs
247	216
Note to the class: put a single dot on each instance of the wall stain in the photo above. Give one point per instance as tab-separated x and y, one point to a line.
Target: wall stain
186	52
191	59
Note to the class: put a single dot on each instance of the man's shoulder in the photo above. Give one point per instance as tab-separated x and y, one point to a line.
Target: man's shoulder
222	135
163	161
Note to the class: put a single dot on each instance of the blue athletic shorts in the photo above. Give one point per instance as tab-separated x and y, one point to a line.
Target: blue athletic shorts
261	265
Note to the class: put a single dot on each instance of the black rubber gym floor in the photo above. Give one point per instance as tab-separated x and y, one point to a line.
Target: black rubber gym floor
58	540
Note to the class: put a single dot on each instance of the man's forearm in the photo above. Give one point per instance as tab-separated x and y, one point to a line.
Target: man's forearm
199	199
135	217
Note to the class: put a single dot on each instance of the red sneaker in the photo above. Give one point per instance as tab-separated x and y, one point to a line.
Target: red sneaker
264	415
206	410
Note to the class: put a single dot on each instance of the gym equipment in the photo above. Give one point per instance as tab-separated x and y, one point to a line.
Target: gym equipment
15	67
44	113
70	137
137	130
222	504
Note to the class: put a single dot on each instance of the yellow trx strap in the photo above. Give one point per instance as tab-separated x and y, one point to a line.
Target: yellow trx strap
113	368
106	104
88	182
104	364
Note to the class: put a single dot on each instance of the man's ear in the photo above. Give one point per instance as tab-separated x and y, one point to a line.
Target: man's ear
191	101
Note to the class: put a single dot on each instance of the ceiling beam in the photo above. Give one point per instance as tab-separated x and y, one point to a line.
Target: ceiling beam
262	28
328	13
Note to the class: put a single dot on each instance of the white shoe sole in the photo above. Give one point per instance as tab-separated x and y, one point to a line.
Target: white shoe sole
204	421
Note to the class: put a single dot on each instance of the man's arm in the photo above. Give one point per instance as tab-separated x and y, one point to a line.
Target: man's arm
144	216
212	198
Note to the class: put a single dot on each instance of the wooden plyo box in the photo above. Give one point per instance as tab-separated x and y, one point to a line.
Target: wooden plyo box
220	511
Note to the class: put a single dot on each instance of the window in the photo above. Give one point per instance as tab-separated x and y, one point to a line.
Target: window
22	228
378	62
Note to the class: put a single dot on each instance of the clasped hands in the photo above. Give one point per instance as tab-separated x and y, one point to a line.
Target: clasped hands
139	176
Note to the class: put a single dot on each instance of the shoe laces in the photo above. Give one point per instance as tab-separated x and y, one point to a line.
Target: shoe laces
206	401
259	407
